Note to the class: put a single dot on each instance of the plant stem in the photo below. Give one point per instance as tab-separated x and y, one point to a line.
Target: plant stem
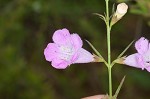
109	48
110	83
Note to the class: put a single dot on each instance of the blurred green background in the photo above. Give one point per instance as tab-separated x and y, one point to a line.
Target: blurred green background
26	27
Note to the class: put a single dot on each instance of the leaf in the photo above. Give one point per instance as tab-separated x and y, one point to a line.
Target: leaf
105	15
115	61
94	49
119	87
113	9
101	16
125	49
97	52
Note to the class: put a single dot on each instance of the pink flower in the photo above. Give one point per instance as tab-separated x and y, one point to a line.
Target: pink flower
141	59
66	50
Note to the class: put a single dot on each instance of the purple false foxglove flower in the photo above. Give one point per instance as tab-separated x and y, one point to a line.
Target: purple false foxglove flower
141	59
66	50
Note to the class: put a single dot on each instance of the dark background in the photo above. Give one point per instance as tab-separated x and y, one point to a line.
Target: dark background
26	27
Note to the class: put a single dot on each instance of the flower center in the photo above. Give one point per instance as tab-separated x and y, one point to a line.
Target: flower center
66	52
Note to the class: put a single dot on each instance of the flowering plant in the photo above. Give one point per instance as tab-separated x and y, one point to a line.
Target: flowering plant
67	49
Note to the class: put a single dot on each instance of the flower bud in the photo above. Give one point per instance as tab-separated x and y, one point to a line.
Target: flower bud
120	12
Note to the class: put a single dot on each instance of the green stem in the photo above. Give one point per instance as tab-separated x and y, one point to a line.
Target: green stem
110	83
109	48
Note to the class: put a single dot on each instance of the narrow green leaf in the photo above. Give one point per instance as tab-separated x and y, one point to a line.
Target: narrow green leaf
97	52
101	16
119	87
105	15
125	49
122	53
113	9
94	48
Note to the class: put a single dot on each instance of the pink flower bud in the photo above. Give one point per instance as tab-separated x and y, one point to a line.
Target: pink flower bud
121	10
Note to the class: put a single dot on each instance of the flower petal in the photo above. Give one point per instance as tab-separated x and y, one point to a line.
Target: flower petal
148	69
50	52
59	64
84	56
131	60
61	36
142	45
140	61
76	41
